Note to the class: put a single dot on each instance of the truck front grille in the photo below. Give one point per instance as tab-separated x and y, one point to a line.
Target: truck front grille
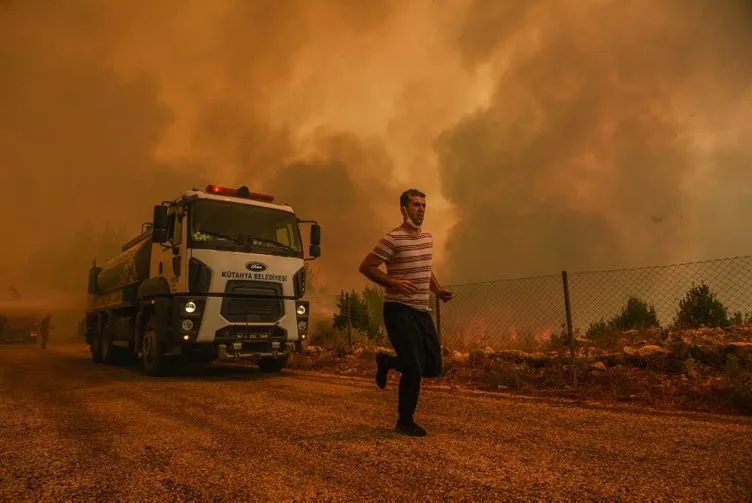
252	302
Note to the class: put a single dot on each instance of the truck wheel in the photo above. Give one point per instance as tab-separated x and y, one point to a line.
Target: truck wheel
151	351
107	350
95	341
272	365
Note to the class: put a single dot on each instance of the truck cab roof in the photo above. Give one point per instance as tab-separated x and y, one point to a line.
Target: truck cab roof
238	196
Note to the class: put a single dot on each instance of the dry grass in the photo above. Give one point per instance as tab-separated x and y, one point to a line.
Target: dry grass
599	372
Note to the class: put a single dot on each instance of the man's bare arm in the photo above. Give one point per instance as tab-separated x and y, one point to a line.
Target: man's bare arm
370	269
439	291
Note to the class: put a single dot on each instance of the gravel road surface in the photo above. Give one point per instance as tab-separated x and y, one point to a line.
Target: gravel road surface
71	429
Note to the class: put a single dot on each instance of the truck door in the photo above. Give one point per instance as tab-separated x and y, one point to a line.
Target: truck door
168	259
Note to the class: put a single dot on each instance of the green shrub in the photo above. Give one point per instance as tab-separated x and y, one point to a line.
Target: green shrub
356	311
374	300
740	319
598	329
700	307
636	314
365	313
559	339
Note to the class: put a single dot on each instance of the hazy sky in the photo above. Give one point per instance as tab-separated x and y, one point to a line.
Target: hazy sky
548	134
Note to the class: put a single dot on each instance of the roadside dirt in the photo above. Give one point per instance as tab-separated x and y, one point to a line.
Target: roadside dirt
72	429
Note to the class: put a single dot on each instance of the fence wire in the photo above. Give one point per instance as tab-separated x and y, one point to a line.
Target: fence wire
601	295
526	313
503	314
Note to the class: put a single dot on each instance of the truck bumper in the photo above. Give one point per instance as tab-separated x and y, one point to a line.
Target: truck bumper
230	351
206	325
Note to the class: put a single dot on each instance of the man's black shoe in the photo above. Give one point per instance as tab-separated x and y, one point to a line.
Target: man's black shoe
410	428
382	369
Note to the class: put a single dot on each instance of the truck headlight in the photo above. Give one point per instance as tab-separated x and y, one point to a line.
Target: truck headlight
187	325
190	307
301	310
302	325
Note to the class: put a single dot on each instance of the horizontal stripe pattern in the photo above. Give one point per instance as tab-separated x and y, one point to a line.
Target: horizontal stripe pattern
410	257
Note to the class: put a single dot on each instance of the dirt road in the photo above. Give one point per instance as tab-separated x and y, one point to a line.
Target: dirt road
71	429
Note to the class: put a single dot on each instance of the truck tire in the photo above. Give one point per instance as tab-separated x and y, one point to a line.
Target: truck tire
272	365
95	341
108	353
153	362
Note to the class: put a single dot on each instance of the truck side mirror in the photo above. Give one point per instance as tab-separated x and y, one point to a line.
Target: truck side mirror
315	235
160	228
314	251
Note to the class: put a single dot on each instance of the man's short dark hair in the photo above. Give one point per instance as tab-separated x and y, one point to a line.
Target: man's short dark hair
406	195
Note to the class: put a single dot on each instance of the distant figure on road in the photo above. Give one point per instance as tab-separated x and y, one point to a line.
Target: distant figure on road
44	329
407	252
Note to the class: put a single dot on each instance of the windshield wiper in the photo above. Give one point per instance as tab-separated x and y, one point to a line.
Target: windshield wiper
276	243
224	236
248	245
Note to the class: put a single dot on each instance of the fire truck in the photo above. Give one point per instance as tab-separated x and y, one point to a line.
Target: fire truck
218	274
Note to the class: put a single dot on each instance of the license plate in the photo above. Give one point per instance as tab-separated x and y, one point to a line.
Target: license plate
252	336
237	345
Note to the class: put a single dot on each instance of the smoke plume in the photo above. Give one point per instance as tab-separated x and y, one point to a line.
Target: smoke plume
606	137
547	134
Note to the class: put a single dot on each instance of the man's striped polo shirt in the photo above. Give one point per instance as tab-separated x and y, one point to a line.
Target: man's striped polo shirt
407	256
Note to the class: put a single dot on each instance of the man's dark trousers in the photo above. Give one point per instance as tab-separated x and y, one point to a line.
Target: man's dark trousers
414	338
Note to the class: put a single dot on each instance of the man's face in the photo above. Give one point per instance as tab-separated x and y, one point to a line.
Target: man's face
416	209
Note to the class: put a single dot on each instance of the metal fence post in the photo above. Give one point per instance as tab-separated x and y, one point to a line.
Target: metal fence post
568	309
349	322
438	318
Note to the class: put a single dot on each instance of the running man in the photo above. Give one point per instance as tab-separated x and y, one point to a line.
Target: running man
407	252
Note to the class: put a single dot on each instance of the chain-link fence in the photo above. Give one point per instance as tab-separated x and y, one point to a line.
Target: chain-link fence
526	313
514	313
602	295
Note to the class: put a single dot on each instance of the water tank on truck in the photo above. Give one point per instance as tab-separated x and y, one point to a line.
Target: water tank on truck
129	268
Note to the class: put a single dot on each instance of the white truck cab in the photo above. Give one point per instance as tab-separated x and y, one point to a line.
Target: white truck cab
219	273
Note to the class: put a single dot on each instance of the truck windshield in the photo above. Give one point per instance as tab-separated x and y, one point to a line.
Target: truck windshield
222	225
